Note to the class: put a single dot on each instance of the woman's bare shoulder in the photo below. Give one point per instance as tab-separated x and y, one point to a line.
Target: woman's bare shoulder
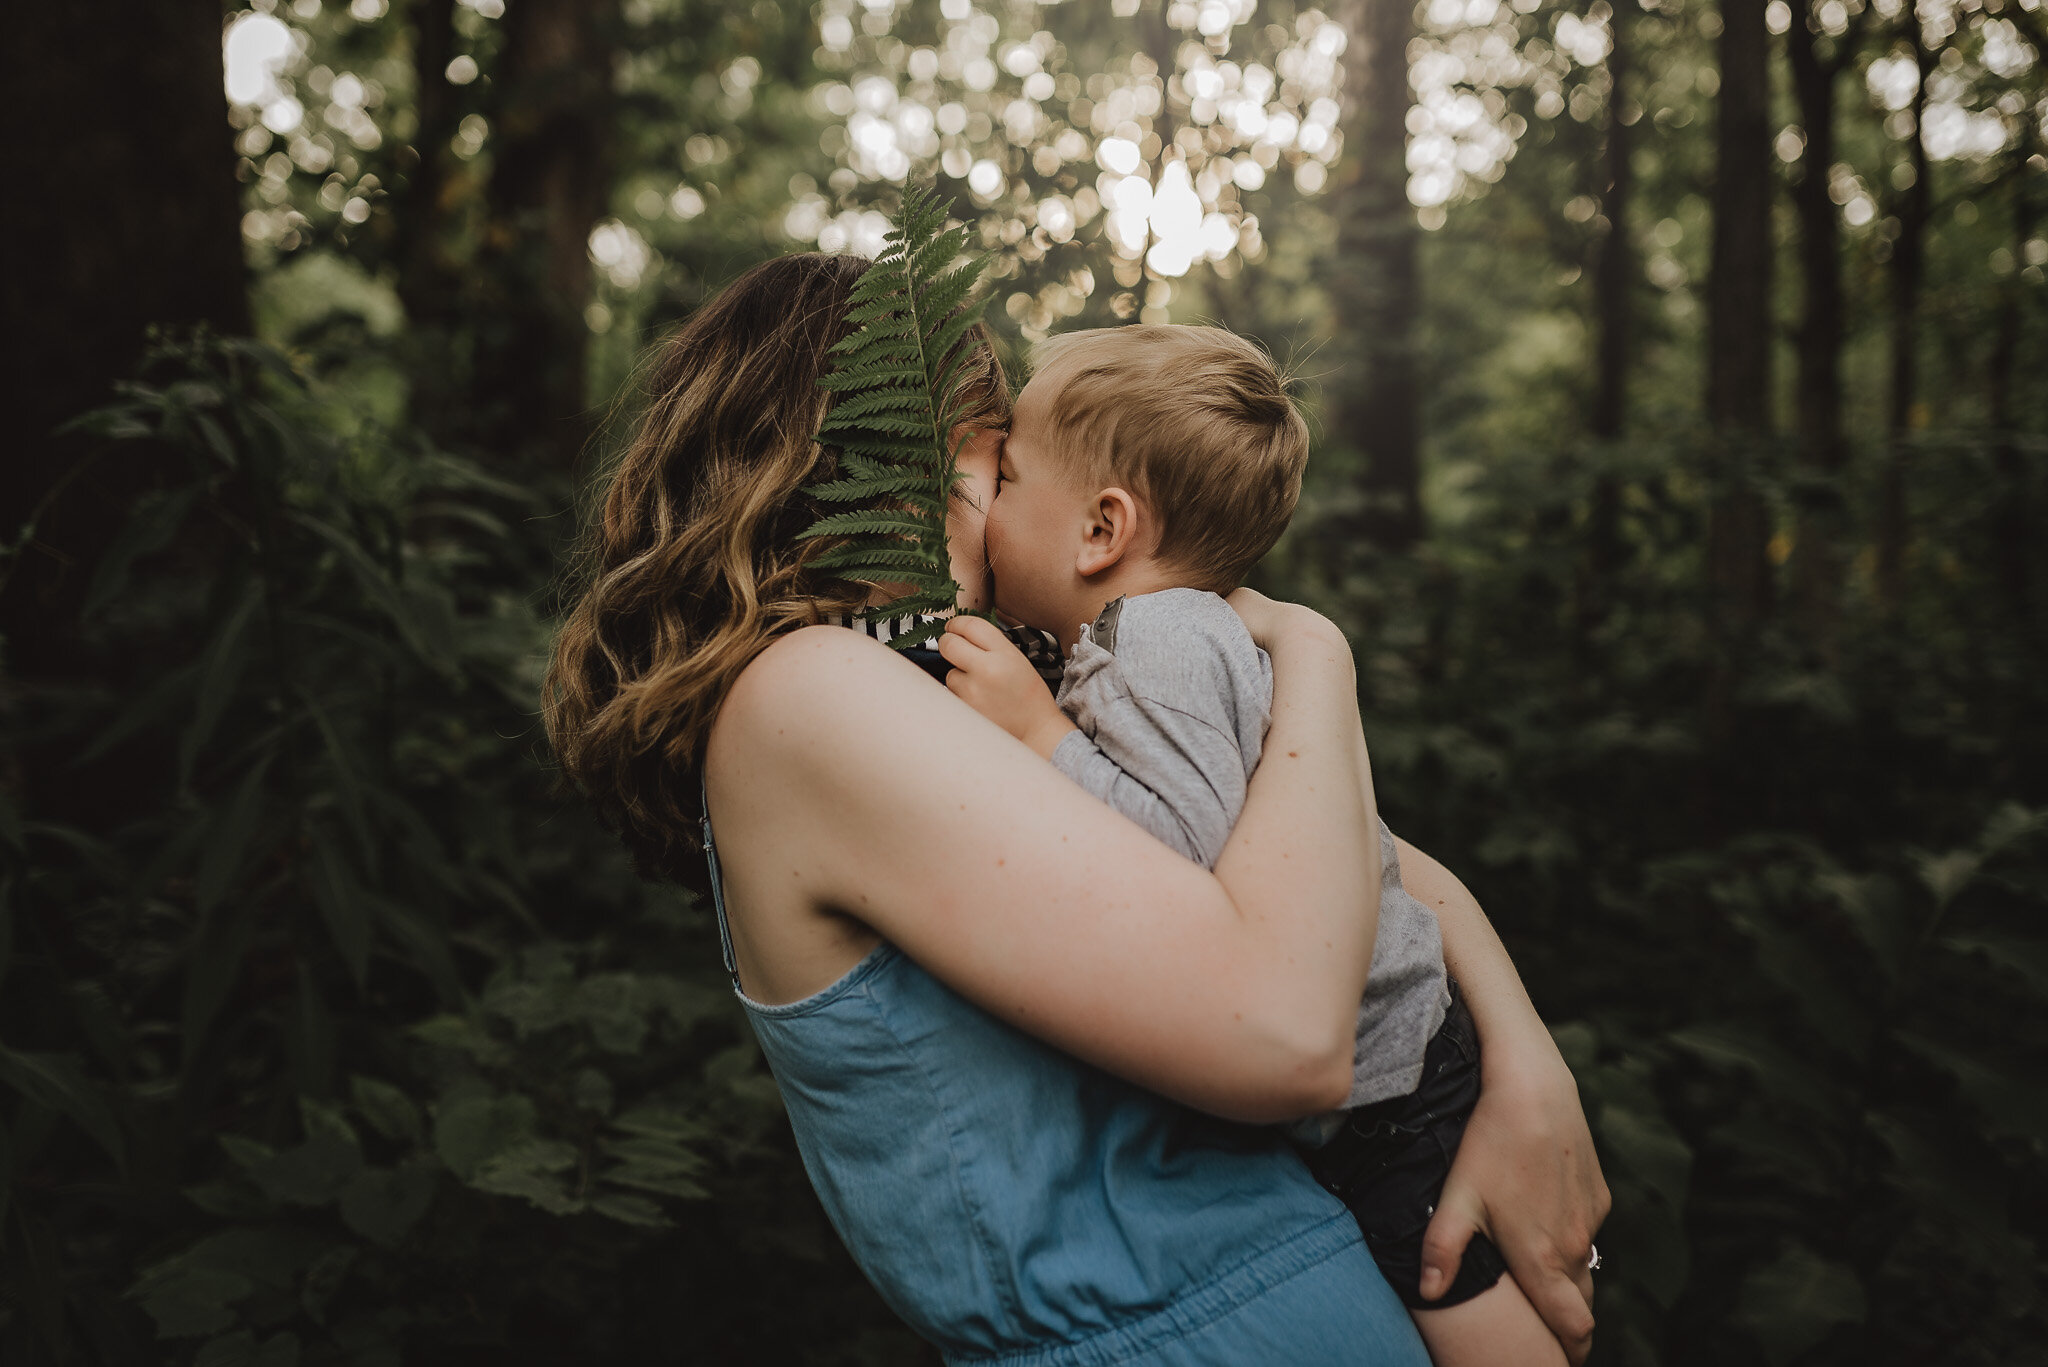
814	682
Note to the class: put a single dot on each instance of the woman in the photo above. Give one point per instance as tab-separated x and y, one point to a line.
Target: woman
1025	1048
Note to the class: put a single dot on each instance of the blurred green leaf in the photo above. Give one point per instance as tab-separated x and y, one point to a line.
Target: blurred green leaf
156	518
389	1110
224	850
592	1091
379	588
348	784
383	1204
459	1032
547	1192
230	1198
2016	1103
1876	909
2009	825
1946	875
153	706
214	964
1648	1147
193	1301
56	1081
424	947
1791	1304
469	1131
346	909
325	1276
662	1122
311	1173
220	671
2025	957
1781	1076
630	1210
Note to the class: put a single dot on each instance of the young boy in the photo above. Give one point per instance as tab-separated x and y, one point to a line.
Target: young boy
1145	471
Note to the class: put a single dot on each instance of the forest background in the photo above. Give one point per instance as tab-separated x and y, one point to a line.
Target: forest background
1679	372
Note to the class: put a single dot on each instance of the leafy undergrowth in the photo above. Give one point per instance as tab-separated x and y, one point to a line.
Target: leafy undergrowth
1781	885
335	1033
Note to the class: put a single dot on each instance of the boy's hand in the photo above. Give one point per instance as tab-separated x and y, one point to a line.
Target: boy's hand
992	676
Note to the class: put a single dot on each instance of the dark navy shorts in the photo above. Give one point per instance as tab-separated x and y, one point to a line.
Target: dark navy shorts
1388	1164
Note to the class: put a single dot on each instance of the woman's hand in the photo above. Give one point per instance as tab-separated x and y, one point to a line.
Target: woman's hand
1265	618
1526	1172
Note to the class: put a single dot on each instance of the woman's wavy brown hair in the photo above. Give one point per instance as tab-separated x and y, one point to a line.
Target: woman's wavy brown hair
689	564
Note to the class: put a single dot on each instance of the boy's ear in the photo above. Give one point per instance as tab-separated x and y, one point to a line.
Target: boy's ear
1112	532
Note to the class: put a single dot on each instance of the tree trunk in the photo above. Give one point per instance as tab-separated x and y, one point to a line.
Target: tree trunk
1740	335
550	184
121	210
1909	269
1613	288
2012	536
1614	273
1816	570
429	279
1373	286
426	280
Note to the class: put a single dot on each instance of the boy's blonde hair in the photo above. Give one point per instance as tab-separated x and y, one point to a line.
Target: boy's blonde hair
1193	421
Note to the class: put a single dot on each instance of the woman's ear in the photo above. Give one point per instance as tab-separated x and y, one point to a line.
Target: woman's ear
1112	532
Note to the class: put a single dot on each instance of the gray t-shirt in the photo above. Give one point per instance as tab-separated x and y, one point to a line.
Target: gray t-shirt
1172	699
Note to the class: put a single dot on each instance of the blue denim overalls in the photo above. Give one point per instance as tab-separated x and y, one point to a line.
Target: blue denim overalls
1018	1207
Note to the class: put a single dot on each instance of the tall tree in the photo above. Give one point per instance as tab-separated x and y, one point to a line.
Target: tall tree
1614	272
1613	290
1817	385
425	275
121	210
553	131
1908	272
2012	551
1374	289
429	278
2027	183
1740	335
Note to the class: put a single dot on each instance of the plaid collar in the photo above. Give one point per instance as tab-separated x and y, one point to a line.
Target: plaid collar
1040	647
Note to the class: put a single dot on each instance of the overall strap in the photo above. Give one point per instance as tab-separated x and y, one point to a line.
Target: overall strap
732	969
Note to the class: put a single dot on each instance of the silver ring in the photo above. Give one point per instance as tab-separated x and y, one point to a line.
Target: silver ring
1592	1258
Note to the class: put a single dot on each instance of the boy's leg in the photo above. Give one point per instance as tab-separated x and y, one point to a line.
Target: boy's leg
1496	1328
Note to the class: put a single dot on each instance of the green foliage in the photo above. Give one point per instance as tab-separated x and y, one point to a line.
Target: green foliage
330	1032
1782	898
896	382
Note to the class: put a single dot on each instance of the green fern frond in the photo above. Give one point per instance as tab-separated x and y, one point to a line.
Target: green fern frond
905	524
895	377
853	490
923	634
907	558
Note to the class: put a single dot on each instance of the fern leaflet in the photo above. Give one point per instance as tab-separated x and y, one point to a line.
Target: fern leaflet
896	381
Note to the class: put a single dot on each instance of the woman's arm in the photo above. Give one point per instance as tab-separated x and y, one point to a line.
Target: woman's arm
1526	1171
847	785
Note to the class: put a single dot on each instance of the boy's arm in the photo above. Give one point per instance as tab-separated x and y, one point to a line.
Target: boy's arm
991	675
1182	778
1189	816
